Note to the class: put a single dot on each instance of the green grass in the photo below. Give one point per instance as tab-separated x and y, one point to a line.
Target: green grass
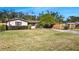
38	40
76	29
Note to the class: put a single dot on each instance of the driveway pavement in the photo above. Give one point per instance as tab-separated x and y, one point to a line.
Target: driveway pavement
69	31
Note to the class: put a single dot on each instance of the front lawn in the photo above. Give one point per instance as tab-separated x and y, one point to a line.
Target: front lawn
76	29
38	40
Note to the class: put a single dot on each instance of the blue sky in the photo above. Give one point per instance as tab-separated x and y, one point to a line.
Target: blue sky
65	11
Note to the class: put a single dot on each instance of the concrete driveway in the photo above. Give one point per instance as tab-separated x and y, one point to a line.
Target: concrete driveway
69	31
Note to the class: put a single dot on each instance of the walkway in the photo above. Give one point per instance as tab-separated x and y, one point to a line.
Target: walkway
69	31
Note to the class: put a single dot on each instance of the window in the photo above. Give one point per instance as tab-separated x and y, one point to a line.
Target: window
18	23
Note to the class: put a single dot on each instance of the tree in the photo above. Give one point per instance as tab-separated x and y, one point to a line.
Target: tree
46	19
50	18
73	19
29	17
3	15
58	18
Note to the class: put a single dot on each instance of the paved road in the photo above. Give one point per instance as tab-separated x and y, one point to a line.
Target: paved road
69	31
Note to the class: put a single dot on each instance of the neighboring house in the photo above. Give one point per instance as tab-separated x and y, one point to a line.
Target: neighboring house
73	25
59	26
20	23
69	25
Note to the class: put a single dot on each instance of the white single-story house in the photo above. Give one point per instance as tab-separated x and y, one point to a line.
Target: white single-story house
19	23
16	22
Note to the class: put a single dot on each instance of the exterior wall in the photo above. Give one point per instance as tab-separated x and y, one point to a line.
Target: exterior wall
59	26
12	23
56	26
72	26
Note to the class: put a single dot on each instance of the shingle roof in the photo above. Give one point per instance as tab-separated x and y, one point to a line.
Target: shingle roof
73	23
30	21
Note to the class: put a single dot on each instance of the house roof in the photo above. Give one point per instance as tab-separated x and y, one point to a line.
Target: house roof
73	23
30	21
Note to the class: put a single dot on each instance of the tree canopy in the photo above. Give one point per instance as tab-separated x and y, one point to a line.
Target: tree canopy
4	15
73	19
50	18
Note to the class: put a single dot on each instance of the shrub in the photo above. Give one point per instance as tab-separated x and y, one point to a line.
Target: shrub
17	27
2	27
48	26
66	27
29	26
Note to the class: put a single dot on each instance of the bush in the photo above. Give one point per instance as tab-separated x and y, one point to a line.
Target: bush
66	27
77	26
17	27
29	26
2	27
48	26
